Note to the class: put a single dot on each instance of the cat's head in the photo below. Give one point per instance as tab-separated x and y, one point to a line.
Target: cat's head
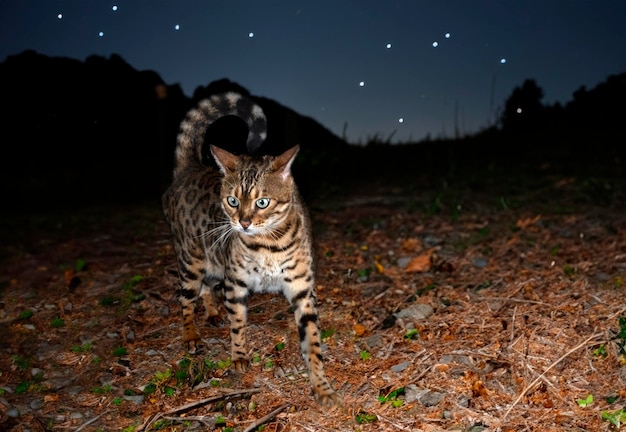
257	192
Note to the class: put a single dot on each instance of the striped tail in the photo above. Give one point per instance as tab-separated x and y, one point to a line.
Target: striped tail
193	128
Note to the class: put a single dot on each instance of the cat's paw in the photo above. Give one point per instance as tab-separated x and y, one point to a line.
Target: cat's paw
240	365
192	339
329	399
194	346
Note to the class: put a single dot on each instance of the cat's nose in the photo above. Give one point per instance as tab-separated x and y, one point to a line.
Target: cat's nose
245	223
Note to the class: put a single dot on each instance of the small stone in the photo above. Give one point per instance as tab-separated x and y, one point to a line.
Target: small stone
36	372
164	311
76	415
374	340
112	335
430	398
13	412
403	262
130	336
74	390
151	352
463	402
480	262
37	403
415	312
138	400
400	366
413	393
67	307
29	326
456	358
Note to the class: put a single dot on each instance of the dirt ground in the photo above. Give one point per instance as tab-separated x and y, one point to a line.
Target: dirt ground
441	310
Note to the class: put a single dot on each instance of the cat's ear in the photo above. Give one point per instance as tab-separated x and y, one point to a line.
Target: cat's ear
282	163
225	160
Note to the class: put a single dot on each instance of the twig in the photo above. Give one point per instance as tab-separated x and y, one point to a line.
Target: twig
529	386
513	324
87	423
209	400
266	418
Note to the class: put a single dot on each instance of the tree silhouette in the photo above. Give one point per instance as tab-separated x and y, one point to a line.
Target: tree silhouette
523	110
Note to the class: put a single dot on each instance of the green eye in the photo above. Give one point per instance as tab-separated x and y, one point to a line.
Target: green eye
262	202
232	201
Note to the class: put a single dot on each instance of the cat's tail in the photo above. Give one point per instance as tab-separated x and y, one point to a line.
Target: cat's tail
193	128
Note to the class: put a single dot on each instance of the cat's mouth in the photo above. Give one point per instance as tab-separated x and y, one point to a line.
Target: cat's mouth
249	230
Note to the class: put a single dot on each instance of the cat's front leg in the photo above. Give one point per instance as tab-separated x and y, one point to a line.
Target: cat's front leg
307	319
236	304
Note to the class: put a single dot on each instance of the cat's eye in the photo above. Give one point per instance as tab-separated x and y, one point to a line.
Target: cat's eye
232	201
262	203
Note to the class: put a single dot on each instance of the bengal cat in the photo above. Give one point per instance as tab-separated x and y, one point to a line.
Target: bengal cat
244	228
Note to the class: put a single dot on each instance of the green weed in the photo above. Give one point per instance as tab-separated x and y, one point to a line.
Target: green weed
616	418
57	323
411	334
600	351
86	347
392	397
363	417
583	403
327	333
120	351
80	265
25	314
20	362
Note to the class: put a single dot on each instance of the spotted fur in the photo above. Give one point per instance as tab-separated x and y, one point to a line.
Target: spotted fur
244	228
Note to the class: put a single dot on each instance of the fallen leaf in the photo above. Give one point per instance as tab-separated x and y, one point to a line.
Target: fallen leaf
526	222
411	244
359	329
421	263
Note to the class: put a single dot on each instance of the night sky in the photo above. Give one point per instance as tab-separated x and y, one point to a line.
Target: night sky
414	67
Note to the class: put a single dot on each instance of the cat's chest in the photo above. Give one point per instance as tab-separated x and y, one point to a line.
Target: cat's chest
264	272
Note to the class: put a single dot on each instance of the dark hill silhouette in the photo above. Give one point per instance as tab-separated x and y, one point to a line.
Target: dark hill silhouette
99	130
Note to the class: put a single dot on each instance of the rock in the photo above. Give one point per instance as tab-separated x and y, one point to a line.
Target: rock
400	366
138	400
480	262
412	393
425	397
403	262
415	312
456	358
374	341
37	403
431	398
